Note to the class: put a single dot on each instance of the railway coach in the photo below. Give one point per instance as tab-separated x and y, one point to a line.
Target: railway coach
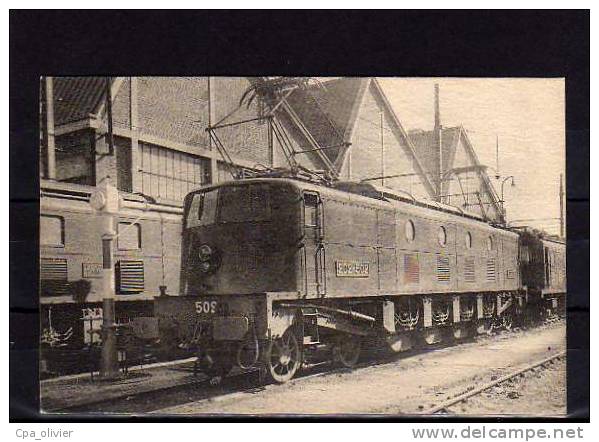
147	256
274	269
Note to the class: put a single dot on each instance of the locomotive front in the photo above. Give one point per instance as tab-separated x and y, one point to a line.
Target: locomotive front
240	243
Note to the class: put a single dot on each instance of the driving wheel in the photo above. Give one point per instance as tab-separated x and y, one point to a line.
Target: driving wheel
283	357
347	351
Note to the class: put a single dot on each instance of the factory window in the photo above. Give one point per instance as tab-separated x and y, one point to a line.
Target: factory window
490	244
170	174
468	240
442	236
52	231
410	231
129	236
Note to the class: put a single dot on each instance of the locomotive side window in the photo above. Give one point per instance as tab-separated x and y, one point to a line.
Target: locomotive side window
310	210
490	244
52	230
442	236
410	231
468	240
129	236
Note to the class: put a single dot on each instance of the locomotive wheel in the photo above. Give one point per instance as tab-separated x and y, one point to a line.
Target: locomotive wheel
347	351
283	357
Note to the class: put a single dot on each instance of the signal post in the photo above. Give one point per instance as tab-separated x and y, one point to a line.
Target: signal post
106	203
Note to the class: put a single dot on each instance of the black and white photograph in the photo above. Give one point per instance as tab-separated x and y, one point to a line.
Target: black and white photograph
304	245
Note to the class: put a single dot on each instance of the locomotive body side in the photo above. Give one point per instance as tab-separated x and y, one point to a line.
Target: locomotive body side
413	250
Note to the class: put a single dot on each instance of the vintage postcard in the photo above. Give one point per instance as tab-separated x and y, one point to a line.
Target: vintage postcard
303	245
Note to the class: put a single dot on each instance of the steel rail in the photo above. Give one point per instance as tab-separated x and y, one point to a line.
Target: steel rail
453	401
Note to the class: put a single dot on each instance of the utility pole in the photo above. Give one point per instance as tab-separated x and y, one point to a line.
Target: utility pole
497	156
106	202
108	86
562	232
50	172
438	130
382	152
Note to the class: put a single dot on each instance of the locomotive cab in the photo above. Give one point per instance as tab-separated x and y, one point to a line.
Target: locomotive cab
246	244
241	238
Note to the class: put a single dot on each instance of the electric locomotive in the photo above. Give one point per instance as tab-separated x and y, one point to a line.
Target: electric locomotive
543	269
273	269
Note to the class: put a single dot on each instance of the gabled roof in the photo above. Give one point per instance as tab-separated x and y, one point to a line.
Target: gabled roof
75	98
327	111
425	142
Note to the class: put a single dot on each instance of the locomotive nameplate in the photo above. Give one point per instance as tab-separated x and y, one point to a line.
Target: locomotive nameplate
352	269
92	269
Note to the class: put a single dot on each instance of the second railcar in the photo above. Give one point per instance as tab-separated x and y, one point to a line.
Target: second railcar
543	268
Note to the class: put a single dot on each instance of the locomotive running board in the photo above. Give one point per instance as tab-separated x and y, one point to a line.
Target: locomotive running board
343	326
329	317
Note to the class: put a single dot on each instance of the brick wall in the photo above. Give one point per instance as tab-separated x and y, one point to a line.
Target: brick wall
174	108
249	140
74	157
120	105
116	166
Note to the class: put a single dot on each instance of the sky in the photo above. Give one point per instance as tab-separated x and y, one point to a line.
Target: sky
528	116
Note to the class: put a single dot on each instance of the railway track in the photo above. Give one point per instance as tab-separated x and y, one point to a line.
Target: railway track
249	382
445	407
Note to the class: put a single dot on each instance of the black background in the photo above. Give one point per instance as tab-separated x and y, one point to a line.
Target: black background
311	43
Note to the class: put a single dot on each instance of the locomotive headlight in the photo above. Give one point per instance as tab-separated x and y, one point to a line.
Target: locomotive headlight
205	252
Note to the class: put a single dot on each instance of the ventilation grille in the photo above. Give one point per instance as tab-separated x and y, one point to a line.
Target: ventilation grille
490	269
53	277
469	270
443	274
411	269
54	269
130	276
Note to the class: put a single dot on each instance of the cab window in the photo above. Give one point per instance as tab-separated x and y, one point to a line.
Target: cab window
202	210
